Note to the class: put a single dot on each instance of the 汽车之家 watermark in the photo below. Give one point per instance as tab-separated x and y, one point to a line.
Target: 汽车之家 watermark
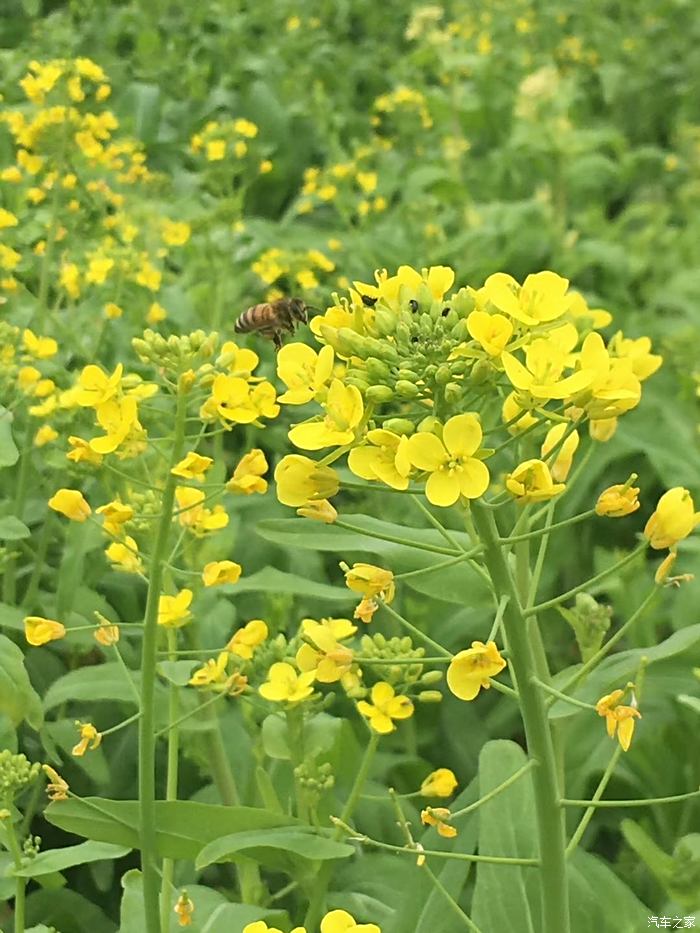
671	923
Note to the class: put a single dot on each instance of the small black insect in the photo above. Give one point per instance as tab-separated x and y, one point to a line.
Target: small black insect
368	301
413	305
446	311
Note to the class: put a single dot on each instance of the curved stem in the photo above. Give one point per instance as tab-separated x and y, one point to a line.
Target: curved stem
147	763
550	822
20	883
171	780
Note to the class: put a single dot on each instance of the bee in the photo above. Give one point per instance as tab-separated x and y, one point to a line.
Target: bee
272	319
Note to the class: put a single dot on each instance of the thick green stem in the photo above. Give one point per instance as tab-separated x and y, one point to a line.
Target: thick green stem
20	883
9	584
170	781
550	822
147	762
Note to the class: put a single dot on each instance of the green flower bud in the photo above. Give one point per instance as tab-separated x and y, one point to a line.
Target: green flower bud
431	677
459	366
429	696
459	331
399	425
453	392
407	373
443	374
384	320
431	424
377	370
403	334
379	394
407	389
462	302
480	373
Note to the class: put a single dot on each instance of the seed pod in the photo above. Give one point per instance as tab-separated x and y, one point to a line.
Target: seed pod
429	696
431	677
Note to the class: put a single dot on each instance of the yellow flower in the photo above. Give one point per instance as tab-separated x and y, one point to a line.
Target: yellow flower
673	519
319	510
118	419
531	481
106	634
602	431
57	788
238	361
371	581
90	738
192	466
385	708
40	631
116	515
453	469
184	908
174	611
112	311
565	453
156	314
260	926
212	672
618	718
440	783
492	331
300	480
284	685
96	387
193	515
45	435
69	279
385	459
545	360
221	571
70	502
248	476
7	219
244	642
344	410
340	921
471	669
82	452
233	399
644	362
322	652
438	817
541	298
215	150
124	555
176	233
618	501
41	348
305	372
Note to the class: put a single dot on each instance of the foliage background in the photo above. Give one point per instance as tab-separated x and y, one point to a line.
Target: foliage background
524	135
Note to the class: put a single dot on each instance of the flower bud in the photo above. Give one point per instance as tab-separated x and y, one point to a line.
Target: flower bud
431	677
377	370
379	394
429	696
480	372
443	374
399	425
407	389
453	392
384	320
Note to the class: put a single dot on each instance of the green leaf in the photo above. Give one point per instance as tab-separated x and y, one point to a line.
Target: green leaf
506	827
11	617
18	699
12	529
281	849
177	672
619	668
145	103
59	859
690	701
88	684
233	918
9	455
182	827
600	902
320	734
271	580
67	911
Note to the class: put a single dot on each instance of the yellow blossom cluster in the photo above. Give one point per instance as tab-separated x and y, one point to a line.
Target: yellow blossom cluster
233	144
352	187
287	271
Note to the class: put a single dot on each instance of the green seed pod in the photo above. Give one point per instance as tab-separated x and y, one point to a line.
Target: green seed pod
431	677
407	389
399	425
379	394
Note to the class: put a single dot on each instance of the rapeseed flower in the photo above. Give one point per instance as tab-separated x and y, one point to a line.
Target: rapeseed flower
473	668
285	685
71	503
39	631
618	717
453	469
385	707
673	519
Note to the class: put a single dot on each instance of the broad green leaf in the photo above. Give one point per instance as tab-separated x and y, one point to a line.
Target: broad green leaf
233	918
271	580
66	910
600	902
59	859
283	849
182	827
11	617
177	672
9	455
89	684
690	701
12	529
144	101
616	670
506	827
320	734
18	699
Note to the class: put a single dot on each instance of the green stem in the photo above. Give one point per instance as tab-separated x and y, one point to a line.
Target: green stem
598	578
538	533
549	815
528	766
572	701
454	856
599	791
639	802
9	583
464	918
20	883
147	762
42	548
409	626
171	782
392	539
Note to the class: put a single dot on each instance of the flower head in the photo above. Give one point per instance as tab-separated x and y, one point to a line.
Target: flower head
439	817
385	707
343	413
322	653
285	685
57	788
566	442
541	298
244	642
618	501
385	457
221	571
248	476
124	555
184	908
90	738
492	331
71	503
192	466
618	718
440	783
40	631
174	611
453	469
211	672
115	515
340	921
531	481
305	372
472	669
319	510
301	480
673	519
